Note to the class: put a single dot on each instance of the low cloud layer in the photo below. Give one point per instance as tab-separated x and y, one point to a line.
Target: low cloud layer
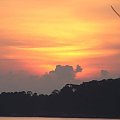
104	74
55	79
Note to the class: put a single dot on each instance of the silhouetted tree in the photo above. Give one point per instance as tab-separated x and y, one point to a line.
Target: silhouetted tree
90	99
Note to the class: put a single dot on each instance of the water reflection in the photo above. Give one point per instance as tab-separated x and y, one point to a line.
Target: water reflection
40	118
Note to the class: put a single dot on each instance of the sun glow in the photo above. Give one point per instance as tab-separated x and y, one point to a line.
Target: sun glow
43	34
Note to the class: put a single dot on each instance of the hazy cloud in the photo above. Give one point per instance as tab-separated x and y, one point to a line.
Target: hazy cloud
55	79
78	69
104	73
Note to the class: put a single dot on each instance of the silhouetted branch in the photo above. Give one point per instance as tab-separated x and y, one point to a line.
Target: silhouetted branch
115	11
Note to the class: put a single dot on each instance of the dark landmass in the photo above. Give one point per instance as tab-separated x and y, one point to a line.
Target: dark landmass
94	99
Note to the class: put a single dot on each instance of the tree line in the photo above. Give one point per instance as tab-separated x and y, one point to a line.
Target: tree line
89	99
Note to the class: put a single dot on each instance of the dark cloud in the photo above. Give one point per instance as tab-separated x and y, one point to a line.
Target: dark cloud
55	79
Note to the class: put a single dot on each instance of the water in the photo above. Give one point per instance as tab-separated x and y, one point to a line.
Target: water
40	118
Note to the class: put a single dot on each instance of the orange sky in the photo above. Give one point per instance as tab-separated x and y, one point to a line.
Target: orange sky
41	34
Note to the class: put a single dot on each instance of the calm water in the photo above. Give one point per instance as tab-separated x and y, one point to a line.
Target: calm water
38	118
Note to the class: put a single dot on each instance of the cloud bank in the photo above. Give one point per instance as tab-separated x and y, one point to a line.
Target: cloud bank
105	74
55	79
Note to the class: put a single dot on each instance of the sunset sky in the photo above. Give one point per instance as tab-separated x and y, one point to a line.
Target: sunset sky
37	35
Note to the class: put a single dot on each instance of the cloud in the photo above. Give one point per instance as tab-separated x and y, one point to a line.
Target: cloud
55	79
64	72
104	73
78	69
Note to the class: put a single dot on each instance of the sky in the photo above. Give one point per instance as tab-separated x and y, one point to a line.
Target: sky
41	38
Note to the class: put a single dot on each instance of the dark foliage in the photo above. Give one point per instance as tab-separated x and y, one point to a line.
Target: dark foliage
90	99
